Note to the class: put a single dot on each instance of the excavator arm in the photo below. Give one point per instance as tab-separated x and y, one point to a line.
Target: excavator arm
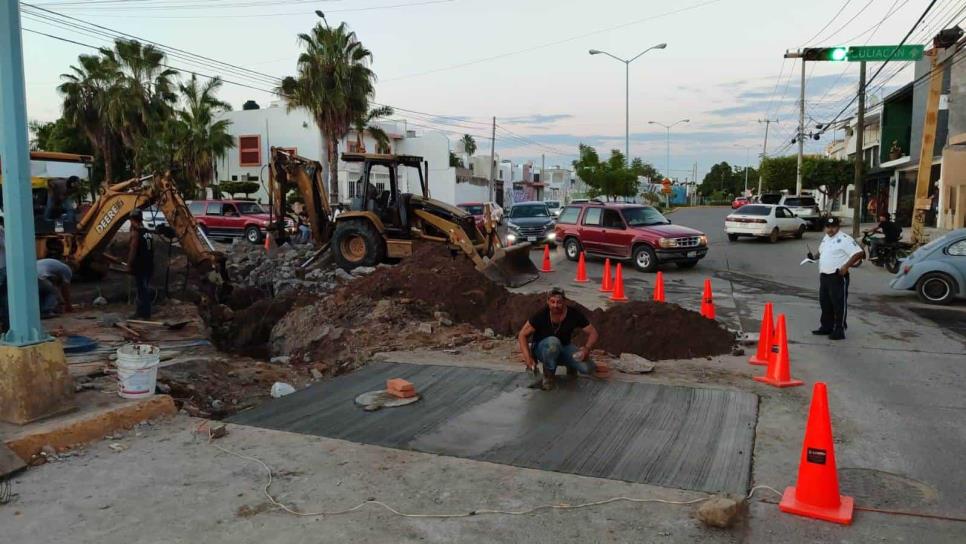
113	206
287	170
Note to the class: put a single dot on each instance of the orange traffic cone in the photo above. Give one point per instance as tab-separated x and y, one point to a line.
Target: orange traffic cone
816	494
605	285
764	338
659	287
581	270
707	303
779	371
618	294
546	260
268	242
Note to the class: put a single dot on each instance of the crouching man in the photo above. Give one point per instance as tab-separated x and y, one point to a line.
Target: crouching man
547	338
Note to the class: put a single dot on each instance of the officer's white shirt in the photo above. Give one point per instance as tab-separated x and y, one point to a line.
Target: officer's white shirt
835	251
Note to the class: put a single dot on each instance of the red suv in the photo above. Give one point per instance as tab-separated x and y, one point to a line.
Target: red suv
231	218
629	232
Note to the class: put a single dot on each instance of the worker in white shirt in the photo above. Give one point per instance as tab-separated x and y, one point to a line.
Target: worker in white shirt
837	254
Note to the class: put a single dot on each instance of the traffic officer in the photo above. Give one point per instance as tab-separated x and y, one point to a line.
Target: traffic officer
837	254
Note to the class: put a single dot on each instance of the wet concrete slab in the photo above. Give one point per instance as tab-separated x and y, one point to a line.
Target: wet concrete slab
673	436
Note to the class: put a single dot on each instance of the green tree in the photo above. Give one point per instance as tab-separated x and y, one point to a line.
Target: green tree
608	178
828	176
334	83
363	124
719	178
87	93
778	173
142	94
645	169
205	140
469	144
455	161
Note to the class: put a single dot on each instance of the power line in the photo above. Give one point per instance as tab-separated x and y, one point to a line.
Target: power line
273	14
829	23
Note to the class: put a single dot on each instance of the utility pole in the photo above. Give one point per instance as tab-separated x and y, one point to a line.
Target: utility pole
492	159
764	149
859	155
801	133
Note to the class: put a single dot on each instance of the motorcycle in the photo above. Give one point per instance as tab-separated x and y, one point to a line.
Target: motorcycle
888	255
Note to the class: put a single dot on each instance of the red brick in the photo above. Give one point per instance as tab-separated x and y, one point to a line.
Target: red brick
401	394
399	384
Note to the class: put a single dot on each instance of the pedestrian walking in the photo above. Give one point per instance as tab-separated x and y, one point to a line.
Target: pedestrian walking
838	253
140	259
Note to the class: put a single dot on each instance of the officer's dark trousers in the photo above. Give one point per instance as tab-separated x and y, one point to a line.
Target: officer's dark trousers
833	295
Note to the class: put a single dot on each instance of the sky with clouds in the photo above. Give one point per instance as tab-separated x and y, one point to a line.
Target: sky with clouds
454	64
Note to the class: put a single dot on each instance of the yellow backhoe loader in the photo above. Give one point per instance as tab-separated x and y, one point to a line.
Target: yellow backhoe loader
383	221
84	249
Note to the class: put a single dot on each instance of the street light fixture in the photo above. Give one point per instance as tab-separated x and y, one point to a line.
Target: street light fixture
627	93
667	165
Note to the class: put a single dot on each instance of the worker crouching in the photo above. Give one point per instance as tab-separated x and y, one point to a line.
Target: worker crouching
547	338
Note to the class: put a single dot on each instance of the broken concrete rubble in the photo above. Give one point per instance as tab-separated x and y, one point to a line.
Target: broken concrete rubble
720	511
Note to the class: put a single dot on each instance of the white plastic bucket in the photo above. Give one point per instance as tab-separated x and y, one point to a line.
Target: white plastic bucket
137	370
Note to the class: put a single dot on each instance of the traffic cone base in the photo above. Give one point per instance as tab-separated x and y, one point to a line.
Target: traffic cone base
778	383
843	514
581	269
546	260
618	294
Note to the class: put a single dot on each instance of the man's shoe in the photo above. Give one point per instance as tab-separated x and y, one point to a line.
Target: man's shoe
547	383
837	335
821	332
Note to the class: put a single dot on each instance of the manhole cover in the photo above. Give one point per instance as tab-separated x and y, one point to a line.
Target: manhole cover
879	489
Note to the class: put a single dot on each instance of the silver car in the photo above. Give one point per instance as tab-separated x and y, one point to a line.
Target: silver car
937	270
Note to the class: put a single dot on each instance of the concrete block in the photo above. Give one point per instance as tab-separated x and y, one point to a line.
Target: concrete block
34	382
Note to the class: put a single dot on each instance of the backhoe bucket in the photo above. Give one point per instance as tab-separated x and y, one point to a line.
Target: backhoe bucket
511	266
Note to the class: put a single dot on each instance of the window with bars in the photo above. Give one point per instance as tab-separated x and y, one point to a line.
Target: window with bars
250	150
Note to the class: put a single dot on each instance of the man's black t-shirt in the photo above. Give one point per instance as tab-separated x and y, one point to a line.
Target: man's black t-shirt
575	319
891	230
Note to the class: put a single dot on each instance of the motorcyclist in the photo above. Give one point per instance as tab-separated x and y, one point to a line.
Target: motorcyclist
891	233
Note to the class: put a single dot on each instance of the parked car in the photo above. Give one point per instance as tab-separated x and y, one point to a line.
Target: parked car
554	207
231	218
803	206
738	202
937	270
530	222
476	209
631	232
764	221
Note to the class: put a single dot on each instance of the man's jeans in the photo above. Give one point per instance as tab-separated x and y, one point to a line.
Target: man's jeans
551	352
144	295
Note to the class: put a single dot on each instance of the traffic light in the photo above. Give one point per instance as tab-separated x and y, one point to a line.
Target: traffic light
834	54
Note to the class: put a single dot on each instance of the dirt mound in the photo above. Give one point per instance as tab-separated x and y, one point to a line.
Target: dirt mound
659	331
451	284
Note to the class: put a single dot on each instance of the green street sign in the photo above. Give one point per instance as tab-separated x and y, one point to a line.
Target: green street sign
882	53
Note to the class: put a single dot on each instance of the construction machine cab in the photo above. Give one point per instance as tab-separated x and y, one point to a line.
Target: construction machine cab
391	205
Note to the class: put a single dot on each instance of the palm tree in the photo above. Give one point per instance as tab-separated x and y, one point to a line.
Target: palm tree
334	83
469	144
143	94
363	124
87	91
205	140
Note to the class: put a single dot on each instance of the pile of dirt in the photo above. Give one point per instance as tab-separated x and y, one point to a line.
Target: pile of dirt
436	299
452	284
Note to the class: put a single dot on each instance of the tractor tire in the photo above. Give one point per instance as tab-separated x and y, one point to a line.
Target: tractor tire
357	243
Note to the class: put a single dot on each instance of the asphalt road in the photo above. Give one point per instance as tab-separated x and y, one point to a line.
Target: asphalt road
895	384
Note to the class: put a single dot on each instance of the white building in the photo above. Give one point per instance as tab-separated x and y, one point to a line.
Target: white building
255	131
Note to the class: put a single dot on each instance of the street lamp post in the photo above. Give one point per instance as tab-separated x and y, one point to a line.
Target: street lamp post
667	164
627	94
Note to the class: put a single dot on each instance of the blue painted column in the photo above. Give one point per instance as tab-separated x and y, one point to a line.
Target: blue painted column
22	295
